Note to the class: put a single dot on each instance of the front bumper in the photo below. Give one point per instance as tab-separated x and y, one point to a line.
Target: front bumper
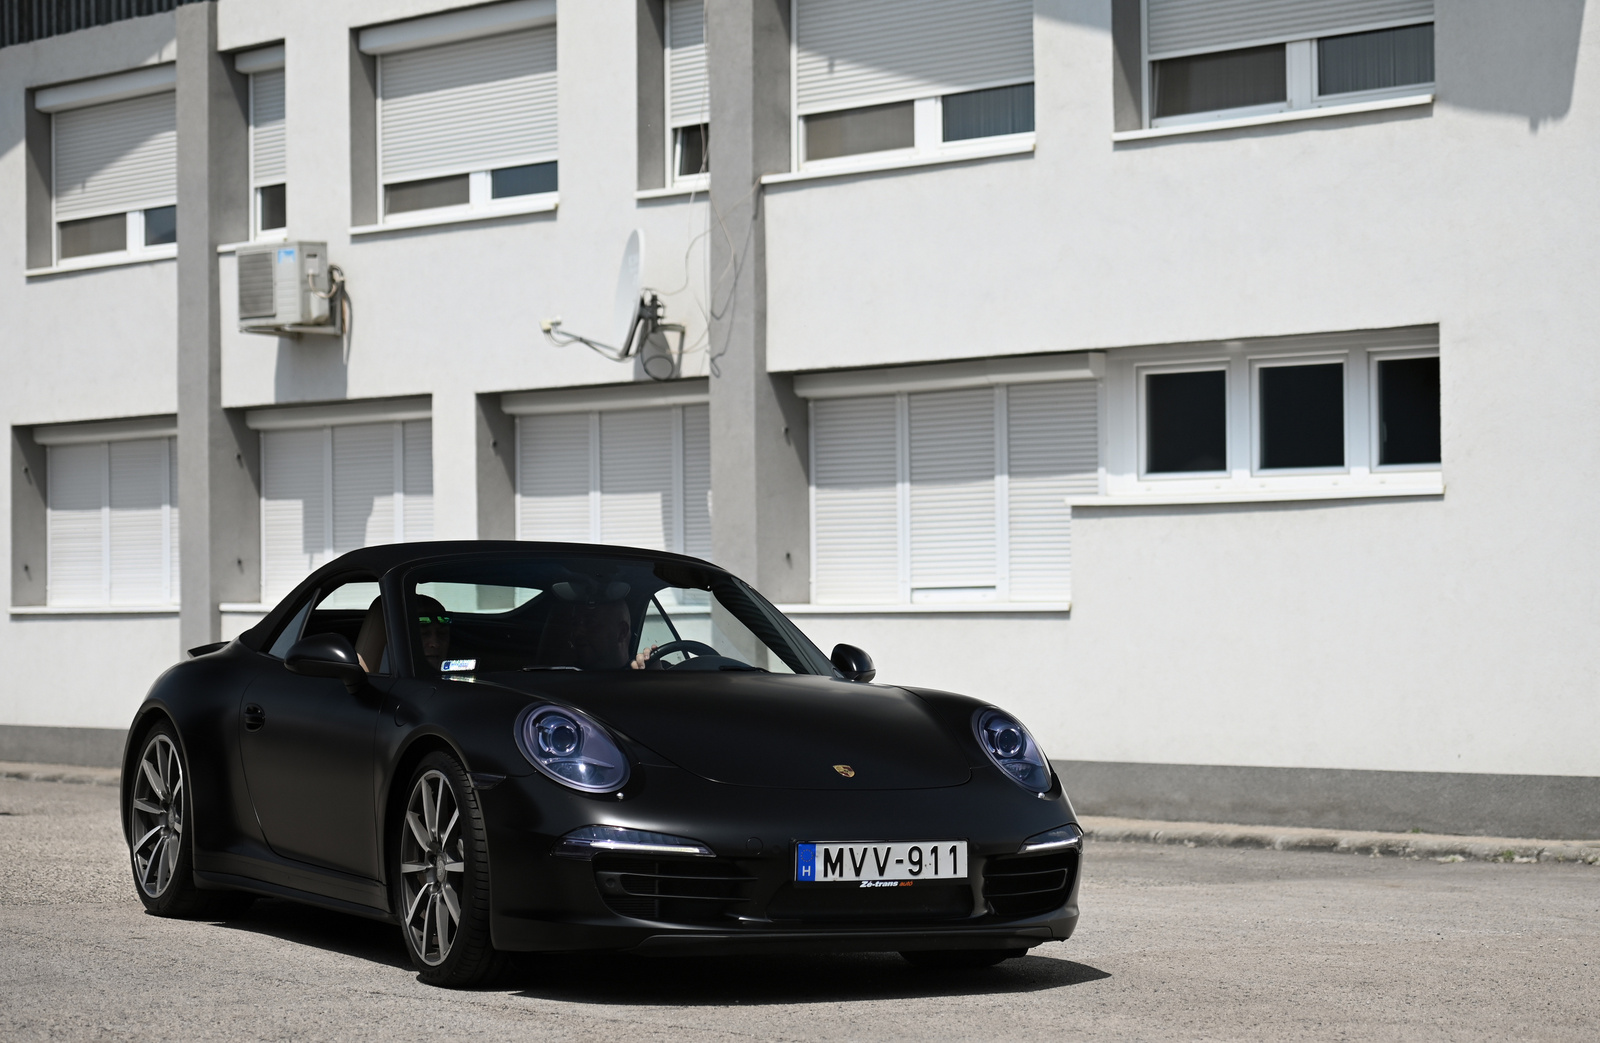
744	900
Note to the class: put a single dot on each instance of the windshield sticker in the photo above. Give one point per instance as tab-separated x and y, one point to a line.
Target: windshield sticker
458	666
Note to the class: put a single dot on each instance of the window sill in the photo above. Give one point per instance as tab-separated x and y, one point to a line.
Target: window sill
1012	145
1276	117
240	609
684	187
94	610
459	215
942	608
1425	484
85	264
228	248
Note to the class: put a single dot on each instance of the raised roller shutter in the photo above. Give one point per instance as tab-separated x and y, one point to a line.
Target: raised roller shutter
855	500
416	521
116	157
140	566
850	53
688	88
636	478
1052	452
553	478
697	481
474	105
1191	26
295	528
268	163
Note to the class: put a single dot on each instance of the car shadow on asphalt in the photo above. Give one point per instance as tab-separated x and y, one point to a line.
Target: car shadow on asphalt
364	939
711	981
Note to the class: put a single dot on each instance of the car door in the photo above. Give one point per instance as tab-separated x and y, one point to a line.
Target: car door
307	744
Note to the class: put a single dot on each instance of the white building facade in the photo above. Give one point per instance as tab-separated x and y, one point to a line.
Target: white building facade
1169	373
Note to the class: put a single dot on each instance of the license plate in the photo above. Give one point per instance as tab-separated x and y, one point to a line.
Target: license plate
828	863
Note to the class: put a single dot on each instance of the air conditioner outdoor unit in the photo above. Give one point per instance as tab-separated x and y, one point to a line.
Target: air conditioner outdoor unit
276	284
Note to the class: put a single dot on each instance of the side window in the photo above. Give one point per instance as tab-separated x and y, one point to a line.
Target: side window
291	631
353	610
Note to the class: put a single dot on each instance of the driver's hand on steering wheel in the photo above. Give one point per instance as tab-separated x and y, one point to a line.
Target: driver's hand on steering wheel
642	660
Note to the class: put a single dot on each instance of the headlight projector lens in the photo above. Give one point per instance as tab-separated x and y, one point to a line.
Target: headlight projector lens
571	749
1012	749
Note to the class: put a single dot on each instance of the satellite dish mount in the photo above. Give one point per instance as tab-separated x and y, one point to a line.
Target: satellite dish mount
638	315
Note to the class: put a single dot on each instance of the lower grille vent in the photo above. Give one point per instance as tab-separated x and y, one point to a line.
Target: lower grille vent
688	891
1028	885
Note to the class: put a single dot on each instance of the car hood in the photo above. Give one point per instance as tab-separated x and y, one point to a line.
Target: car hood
750	729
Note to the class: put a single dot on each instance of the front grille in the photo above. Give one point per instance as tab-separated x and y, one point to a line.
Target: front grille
696	890
1028	885
850	903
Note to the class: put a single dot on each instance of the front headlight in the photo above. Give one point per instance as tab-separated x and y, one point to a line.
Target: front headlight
1012	749
571	749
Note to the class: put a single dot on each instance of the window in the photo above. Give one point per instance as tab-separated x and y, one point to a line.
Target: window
1348	414
329	489
467	125
636	477
908	76
268	148
1239	58
950	496
115	164
688	89
112	523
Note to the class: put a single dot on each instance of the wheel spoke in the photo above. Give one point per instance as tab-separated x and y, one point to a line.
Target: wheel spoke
144	839
411	913
438	811
451	902
455	816
438	928
413	867
430	814
418	830
154	778
455	867
152	868
146	807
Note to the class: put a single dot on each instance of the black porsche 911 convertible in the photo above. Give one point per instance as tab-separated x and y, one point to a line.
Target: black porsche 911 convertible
532	747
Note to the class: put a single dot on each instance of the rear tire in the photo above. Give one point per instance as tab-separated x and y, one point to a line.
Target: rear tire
440	877
161	837
960	959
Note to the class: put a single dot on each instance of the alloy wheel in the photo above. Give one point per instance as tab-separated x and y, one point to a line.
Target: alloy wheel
157	815
432	861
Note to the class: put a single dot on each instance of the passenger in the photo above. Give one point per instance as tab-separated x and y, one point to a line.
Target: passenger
433	630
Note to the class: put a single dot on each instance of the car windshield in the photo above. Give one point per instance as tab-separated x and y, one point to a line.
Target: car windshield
595	612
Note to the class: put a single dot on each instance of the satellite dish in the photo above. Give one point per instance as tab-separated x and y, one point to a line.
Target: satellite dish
636	315
626	311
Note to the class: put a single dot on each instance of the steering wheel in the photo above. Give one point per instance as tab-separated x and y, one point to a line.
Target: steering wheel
697	647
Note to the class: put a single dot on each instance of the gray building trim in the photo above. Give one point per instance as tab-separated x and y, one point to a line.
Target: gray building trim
219	546
85	747
1127	66
29	500
40	186
363	135
652	89
497	470
1547	807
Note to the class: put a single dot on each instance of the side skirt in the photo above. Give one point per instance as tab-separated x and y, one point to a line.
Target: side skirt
229	882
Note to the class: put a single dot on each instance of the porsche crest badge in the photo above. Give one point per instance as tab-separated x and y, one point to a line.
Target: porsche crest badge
845	770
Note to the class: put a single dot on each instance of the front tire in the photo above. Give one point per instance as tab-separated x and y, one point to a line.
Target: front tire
160	837
960	959
441	877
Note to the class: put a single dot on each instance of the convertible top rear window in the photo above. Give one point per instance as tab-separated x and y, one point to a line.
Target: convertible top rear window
595	612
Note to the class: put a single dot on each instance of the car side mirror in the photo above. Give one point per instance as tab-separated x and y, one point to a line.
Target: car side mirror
326	655
855	664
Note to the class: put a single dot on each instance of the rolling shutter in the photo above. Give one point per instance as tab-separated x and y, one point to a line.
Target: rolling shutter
688	88
76	561
294	513
850	53
1052	451
363	485
116	157
553	477
140	566
952	495
477	104
1189	26
697	481
856	526
636	478
267	157
416	522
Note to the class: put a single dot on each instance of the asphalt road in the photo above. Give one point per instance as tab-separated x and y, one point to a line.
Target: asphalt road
1175	943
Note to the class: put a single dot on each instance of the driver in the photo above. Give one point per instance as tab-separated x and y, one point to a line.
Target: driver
433	630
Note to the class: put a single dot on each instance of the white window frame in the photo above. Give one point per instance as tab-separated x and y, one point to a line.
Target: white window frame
690	182
257	233
134	248
1124	475
928	143
1300	71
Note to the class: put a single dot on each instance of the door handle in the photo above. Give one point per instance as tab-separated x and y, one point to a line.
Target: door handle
254	717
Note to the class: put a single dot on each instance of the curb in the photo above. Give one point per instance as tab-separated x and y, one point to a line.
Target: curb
1437	846
61	773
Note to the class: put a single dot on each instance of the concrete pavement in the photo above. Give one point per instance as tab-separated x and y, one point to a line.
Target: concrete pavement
1176	942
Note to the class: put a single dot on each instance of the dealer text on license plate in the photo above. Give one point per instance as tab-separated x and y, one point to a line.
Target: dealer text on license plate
831	863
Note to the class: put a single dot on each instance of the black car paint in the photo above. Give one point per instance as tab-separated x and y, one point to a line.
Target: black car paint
920	774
